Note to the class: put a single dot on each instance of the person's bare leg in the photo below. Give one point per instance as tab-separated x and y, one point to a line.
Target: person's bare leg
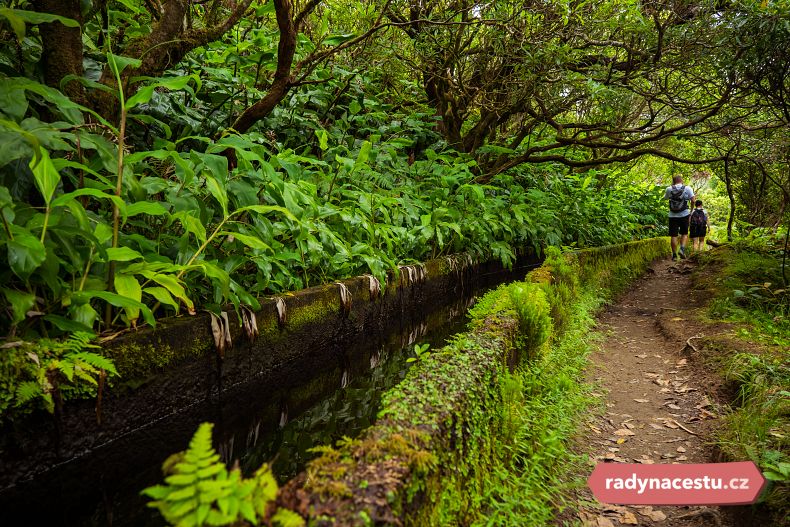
674	243
683	240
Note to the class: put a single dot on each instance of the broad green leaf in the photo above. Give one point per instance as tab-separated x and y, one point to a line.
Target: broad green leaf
88	83
15	21
18	17
323	139
122	254
213	271
213	186
142	96
60	103
46	177
192	225
336	40
364	154
117	301
63	199
5	197
21	302
65	324
102	182
253	242
145	93
13	102
83	314
25	252
265	209
118	63
162	296
152	208
172	284
128	286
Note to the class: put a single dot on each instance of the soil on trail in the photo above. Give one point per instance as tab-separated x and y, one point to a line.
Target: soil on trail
659	407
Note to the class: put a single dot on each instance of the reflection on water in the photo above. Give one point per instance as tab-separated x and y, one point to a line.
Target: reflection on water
351	408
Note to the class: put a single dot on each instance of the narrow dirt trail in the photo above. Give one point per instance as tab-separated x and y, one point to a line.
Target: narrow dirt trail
658	409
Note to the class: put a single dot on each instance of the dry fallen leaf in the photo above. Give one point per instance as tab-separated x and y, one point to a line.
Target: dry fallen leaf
642	400
628	518
681	449
603	521
657	516
623	432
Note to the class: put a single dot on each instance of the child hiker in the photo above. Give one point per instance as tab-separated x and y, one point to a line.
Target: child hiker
698	226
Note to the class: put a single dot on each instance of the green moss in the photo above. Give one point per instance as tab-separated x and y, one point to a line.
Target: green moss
136	361
327	305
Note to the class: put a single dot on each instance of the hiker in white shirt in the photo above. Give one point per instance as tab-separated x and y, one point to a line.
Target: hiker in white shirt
679	196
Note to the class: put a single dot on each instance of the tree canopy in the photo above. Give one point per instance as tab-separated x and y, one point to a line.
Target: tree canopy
158	155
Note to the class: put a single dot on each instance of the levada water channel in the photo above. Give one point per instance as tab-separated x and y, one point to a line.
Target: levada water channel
272	414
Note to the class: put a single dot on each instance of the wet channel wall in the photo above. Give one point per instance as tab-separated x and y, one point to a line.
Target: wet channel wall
173	378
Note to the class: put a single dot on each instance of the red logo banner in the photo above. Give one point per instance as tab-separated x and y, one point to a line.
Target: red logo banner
736	483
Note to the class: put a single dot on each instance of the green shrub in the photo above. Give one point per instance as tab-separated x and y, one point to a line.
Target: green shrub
534	316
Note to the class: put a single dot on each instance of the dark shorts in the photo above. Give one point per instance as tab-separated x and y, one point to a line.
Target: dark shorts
698	232
678	226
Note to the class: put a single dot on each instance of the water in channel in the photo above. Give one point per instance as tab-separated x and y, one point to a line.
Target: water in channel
350	409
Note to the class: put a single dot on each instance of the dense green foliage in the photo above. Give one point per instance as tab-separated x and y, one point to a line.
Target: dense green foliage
265	146
193	229
126	194
48	372
754	358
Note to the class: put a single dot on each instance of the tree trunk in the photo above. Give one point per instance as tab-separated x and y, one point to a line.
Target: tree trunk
282	76
62	46
731	195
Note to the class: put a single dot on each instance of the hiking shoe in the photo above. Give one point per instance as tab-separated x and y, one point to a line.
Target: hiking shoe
674	257
682	254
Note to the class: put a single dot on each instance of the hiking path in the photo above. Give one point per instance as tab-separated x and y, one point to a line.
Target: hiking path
658	408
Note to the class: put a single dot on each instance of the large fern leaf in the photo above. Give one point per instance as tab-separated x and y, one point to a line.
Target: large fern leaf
95	360
27	391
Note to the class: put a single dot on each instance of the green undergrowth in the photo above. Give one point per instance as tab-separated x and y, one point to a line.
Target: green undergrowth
543	399
541	405
478	432
46	373
754	358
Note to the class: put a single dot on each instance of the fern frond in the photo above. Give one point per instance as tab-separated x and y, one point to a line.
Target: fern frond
27	391
95	360
66	367
81	340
